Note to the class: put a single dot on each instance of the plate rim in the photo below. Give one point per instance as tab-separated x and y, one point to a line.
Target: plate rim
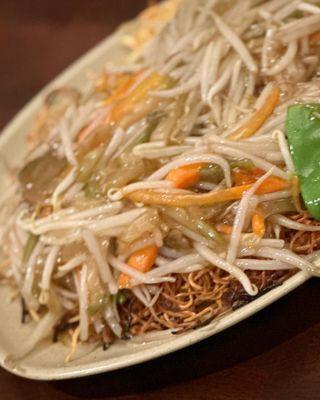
226	321
183	341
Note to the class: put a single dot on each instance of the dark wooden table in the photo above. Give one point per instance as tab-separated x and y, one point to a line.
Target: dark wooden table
273	355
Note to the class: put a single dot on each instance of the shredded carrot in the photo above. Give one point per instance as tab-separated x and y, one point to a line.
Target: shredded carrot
271	184
121	91
109	82
186	200
242	177
123	88
315	38
83	133
142	260
224	228
185	176
137	103
259	118
258	224
124	281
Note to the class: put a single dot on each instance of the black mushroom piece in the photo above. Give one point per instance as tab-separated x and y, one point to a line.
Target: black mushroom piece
39	178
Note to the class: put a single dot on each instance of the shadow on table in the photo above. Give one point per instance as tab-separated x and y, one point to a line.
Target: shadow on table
269	328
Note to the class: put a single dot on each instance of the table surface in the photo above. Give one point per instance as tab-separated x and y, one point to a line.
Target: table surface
273	355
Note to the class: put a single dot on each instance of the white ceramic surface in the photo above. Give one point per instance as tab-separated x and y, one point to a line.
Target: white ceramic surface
47	361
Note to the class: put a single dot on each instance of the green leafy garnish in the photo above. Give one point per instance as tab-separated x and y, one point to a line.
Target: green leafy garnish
303	131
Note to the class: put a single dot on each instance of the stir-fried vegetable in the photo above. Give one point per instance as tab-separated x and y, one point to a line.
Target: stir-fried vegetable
258	224
185	176
100	177
55	105
121	298
274	183
315	38
98	295
127	168
99	136
259	118
150	21
190	174
138	103
224	228
99	305
282	206
137	213
60	99
213	173
142	260
29	247
123	87
296	191
144	137
145	224
39	177
195	223
303	130
170	129
186	200
120	172
88	164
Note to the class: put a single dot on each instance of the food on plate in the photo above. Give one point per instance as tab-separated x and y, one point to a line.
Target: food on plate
180	183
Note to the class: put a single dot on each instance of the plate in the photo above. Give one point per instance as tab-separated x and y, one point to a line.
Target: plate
47	362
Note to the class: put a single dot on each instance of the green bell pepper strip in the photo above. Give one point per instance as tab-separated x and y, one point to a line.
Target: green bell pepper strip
303	132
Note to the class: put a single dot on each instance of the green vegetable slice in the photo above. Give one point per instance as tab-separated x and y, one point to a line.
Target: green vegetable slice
303	131
99	305
195	224
29	247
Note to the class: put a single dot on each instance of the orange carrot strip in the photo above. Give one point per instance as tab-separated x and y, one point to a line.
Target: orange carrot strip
185	176
258	224
315	38
206	199
224	228
241	177
137	103
124	281
273	183
122	90
142	260
111	81
259	118
186	200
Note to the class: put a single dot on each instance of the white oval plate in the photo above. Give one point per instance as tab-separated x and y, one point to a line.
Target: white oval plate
47	361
